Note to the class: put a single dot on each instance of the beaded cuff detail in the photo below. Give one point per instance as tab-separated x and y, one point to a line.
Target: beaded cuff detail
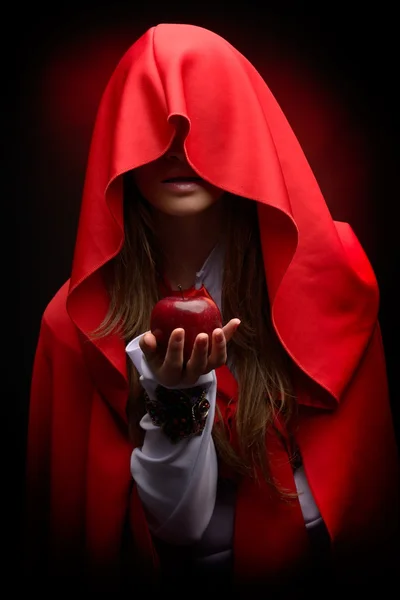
180	413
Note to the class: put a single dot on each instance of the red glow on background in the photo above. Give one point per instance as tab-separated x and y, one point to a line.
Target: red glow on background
334	144
73	81
75	77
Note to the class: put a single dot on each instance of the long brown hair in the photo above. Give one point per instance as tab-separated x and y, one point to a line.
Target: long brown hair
261	365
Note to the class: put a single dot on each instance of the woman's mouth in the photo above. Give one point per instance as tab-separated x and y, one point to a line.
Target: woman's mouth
182	184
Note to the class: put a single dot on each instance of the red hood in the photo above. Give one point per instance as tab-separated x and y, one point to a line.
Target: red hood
322	288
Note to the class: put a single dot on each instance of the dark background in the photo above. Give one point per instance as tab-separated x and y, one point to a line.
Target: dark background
333	70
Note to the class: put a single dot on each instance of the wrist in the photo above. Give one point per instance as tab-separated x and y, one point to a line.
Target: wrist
180	413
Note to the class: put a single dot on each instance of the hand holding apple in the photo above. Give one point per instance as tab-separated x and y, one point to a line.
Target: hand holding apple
170	368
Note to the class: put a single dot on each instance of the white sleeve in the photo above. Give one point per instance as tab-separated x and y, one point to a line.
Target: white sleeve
176	483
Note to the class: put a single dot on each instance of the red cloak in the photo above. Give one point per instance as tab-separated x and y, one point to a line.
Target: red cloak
324	305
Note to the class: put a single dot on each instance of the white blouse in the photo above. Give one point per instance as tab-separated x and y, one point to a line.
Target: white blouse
178	483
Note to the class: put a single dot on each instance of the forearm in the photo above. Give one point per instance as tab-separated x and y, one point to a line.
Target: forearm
176	482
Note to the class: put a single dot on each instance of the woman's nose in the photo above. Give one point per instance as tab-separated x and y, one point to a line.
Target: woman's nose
176	152
175	155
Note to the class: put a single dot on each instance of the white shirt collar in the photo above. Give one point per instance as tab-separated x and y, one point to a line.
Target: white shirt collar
211	273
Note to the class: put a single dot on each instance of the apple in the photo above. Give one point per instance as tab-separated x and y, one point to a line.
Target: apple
193	314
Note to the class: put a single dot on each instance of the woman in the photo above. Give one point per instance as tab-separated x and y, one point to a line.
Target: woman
196	184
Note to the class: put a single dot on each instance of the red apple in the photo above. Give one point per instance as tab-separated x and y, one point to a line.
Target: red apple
194	314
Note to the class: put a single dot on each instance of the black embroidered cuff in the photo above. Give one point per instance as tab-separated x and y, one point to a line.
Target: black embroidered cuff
180	413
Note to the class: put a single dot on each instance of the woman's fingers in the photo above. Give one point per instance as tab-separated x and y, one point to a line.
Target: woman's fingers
218	353
173	361
230	328
148	345
166	364
197	364
220	338
169	368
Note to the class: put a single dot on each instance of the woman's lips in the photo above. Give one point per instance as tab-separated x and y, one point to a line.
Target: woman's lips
182	185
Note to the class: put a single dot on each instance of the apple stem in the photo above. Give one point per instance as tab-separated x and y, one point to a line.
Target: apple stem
180	289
